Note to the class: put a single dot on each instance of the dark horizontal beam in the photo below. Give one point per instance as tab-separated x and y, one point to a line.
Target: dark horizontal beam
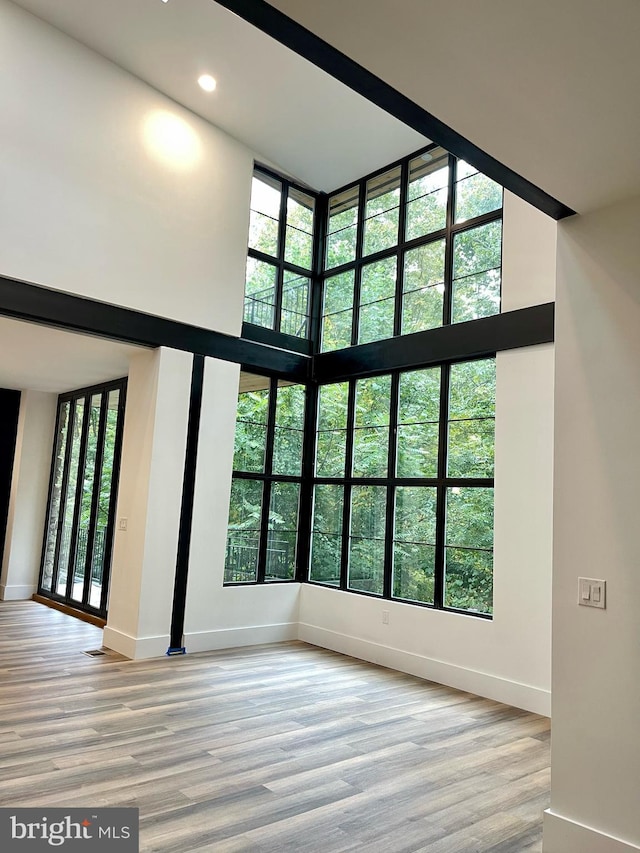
511	330
24	301
261	335
293	35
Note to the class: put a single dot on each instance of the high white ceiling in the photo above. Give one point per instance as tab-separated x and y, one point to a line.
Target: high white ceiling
43	359
548	87
278	104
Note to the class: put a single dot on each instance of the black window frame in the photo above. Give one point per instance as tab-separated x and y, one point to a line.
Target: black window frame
394	355
442	482
274	336
402	246
267	477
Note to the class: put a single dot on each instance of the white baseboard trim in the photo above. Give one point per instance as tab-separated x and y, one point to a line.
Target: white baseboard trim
562	835
229	638
518	695
135	648
16	592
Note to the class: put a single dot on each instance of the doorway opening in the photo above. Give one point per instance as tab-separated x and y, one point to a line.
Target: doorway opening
78	536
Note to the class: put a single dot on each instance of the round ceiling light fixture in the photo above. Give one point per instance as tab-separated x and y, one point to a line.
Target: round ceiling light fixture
207	82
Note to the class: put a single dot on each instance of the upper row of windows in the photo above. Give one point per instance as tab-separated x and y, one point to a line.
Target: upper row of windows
412	248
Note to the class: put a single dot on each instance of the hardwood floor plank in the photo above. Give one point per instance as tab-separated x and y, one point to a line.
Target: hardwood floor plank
277	748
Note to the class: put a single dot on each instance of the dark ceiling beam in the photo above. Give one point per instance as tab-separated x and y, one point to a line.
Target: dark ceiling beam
302	41
24	301
459	341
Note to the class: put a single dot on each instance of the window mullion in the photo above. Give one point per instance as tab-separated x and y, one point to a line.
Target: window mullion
448	256
402	224
438	591
391	471
346	509
268	470
305	509
321	223
362	201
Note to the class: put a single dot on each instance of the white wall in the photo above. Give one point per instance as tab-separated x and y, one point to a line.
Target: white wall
508	658
28	500
596	653
110	190
528	255
149	498
218	617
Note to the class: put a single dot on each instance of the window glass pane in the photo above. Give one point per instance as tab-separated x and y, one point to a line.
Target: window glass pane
476	272
472	395
423	297
243	535
299	237
332	430
55	499
337	331
475	193
326	543
366	540
251	429
376	321
105	486
414	543
342	228
265	213
428	192
74	481
283	531
260	293
289	430
377	300
418	423
338	292
88	479
464	170
295	305
371	434
469	549
337	311
382	212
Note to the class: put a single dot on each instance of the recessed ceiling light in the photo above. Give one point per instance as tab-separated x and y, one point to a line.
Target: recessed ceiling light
207	82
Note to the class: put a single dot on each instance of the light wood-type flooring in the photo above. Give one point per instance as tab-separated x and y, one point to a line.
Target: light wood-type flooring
266	749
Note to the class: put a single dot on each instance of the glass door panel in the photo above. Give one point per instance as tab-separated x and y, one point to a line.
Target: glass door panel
82	497
69	500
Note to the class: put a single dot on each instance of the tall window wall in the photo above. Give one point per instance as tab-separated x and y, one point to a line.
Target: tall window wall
414	247
262	540
280	257
398	500
403	487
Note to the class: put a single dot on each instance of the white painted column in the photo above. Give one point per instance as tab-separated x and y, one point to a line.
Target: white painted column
28	500
149	499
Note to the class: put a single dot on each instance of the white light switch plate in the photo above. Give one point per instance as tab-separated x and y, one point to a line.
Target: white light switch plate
592	592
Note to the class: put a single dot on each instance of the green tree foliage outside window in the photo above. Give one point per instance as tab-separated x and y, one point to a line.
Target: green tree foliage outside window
264	508
435	182
416	489
272	283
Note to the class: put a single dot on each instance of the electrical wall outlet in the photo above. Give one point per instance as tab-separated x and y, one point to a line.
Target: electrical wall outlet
385	617
122	523
592	592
